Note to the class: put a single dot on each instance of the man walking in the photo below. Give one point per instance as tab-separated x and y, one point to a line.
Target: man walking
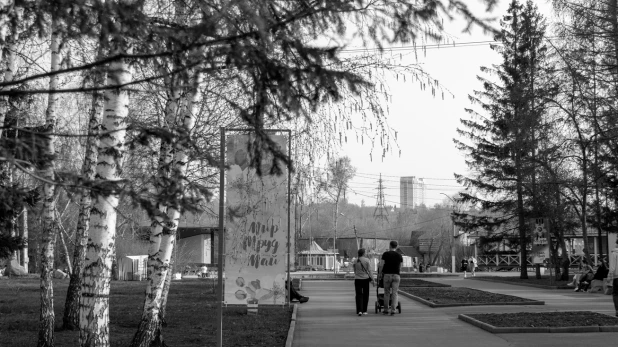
613	274
389	268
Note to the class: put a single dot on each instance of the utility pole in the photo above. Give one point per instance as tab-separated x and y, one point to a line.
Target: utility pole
310	240
453	261
356	236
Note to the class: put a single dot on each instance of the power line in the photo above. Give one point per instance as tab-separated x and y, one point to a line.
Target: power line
424	47
385	200
398	176
397	187
368	176
434	46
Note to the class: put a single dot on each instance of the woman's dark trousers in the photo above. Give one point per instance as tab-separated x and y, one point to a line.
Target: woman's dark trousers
362	294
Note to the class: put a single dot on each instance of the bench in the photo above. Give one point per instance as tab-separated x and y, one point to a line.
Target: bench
607	287
596	286
600	286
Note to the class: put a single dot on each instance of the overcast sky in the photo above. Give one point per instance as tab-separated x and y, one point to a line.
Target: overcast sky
426	125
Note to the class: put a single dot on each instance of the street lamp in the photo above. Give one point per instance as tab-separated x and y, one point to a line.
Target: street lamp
354	227
453	262
310	262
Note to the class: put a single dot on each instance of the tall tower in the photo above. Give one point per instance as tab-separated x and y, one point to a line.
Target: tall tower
406	192
411	192
420	191
380	213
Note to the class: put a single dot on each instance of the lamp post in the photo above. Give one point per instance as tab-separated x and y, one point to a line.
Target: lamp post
353	227
335	242
453	262
310	263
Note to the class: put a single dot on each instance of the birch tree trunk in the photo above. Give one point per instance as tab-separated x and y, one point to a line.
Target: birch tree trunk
24	234
149	329
70	319
94	302
62	242
166	289
165	161
6	7
47	319
7	10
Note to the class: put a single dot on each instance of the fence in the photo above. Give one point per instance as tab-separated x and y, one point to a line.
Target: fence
512	261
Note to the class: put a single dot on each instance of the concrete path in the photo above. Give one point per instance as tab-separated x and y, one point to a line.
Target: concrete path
328	319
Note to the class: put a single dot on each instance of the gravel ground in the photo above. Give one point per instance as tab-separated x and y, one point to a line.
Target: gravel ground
546	319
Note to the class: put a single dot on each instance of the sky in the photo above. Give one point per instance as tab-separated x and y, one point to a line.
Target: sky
426	124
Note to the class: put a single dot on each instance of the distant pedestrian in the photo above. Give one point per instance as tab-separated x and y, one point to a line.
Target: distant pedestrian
464	266
421	266
204	271
362	277
613	274
389	269
472	265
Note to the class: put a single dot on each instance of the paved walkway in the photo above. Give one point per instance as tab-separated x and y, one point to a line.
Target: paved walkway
328	319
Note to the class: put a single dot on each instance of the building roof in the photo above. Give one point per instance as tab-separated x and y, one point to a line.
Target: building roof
316	249
410	251
203	219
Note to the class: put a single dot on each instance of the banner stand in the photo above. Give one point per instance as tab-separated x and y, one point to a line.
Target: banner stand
222	173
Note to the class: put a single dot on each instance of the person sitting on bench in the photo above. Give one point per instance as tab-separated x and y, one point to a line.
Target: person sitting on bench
581	273
600	275
294	295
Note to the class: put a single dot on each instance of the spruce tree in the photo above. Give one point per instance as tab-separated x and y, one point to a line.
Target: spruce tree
500	142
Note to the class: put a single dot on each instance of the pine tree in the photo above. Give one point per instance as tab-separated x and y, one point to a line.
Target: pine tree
502	141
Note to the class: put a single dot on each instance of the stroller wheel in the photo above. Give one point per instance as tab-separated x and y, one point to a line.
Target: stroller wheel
399	307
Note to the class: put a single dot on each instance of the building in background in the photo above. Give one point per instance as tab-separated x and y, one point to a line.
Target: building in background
411	192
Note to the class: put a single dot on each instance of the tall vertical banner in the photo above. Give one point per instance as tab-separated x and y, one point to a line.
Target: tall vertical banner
540	240
256	227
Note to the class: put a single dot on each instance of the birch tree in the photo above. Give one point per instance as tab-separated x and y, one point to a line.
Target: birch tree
94	301
149	329
47	321
70	319
12	27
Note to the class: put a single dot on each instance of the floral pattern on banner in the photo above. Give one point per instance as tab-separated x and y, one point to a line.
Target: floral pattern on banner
256	227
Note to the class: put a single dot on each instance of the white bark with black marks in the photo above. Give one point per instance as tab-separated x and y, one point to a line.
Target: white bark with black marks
150	325
47	318
94	303
70	319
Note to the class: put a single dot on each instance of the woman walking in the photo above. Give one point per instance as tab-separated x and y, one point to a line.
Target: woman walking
362	277
471	266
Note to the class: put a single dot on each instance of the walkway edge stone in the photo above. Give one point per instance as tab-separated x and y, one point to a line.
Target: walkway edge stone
512	330
434	305
290	338
519	283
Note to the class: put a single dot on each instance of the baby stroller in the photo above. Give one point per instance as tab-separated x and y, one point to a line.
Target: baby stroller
380	295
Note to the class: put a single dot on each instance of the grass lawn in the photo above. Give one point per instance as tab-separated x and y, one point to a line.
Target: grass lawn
413	282
191	316
463	296
544	281
546	319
